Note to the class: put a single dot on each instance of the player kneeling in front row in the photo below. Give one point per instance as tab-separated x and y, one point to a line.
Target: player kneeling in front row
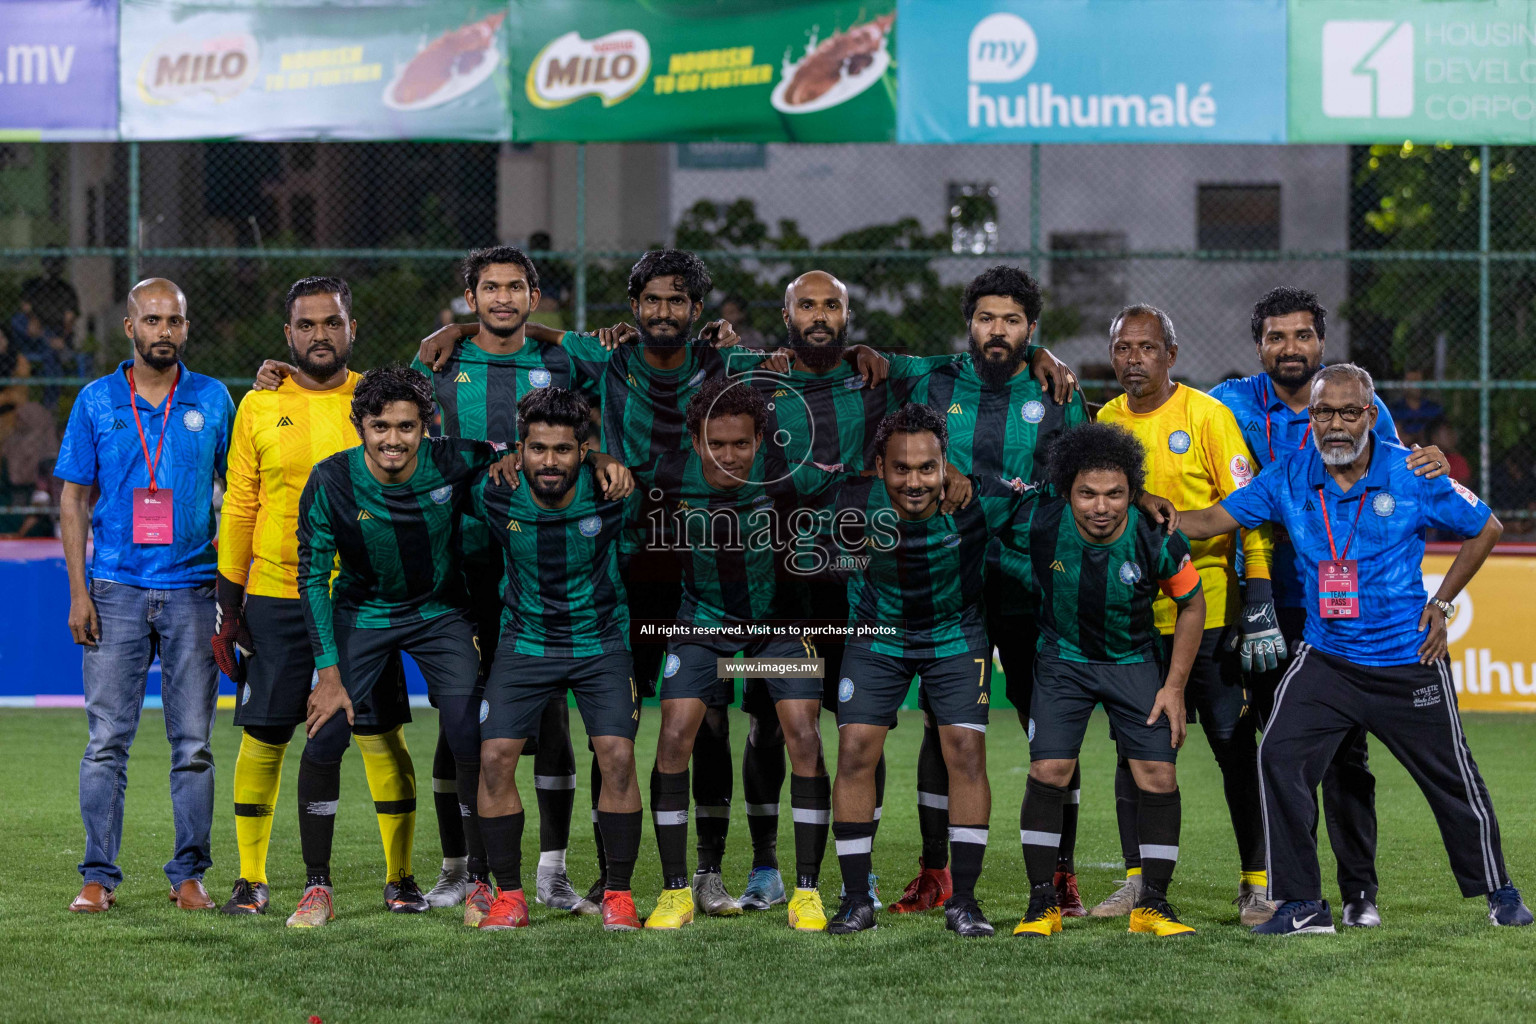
1374	650
1098	563
565	624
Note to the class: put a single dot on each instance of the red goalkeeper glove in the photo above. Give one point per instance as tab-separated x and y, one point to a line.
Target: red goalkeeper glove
231	635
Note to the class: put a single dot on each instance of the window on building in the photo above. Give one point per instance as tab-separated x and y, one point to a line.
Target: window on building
1238	217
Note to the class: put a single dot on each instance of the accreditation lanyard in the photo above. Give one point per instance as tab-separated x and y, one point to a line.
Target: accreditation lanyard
152	506
1268	430
1338	580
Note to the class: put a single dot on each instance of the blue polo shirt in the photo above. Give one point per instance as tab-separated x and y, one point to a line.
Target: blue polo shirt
101	446
1388	542
1272	430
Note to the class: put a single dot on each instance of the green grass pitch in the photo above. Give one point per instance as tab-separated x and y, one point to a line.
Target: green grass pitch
1435	958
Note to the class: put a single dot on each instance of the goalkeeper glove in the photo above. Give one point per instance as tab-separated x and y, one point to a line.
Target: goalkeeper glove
230	633
1263	643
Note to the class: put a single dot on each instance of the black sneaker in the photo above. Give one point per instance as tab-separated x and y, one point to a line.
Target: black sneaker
405	897
248	898
963	916
1506	908
1361	913
853	915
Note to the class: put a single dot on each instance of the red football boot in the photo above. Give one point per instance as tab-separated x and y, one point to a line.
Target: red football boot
510	910
1067	897
929	889
619	912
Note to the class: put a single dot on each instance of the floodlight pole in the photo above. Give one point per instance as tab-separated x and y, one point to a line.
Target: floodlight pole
135	239
581	236
1484	396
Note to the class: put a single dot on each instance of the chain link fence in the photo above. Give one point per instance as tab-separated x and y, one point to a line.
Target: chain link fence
1425	256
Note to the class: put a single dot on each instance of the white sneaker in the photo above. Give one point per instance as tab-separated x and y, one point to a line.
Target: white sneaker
555	890
452	885
1122	901
710	896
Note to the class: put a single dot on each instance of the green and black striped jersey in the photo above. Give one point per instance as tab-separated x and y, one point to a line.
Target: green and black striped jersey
1095	600
731	544
644	409
477	394
398	544
563	595
919	594
994	431
827	418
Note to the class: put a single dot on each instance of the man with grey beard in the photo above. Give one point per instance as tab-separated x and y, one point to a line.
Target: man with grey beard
1374	649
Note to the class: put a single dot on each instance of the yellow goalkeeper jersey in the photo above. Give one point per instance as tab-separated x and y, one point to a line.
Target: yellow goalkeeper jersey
1196	455
279	435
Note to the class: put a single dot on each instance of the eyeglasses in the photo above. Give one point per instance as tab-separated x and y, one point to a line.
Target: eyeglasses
1350	413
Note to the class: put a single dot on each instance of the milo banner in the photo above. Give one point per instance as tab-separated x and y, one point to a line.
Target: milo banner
686	70
431	69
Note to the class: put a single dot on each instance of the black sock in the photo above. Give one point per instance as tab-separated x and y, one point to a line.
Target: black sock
810	799
855	843
597	825
1159	822
933	799
504	847
669	813
445	800
967	847
879	789
623	843
1238	758
554	783
762	780
713	778
469	799
1065	855
1126	798
1040	824
319	792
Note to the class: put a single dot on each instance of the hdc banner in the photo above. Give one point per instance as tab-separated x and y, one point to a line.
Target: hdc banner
400	70
1389	70
682	70
58	69
1092	71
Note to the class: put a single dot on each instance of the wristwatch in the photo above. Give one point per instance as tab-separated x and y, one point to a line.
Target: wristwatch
1446	608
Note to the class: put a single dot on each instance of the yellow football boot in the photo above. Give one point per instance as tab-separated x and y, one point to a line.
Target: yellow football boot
1157	918
806	914
673	910
1044	915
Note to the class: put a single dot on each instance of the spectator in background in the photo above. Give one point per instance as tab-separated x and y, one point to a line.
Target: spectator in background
26	471
734	310
43	328
1413	412
1513	489
1442	434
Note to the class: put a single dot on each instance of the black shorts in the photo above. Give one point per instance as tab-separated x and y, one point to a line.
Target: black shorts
483	578
280	671
1016	639
521	686
957	689
690	670
653	584
1065	693
1216	696
443	647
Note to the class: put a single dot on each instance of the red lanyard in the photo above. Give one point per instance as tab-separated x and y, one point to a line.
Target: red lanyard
1268	440
133	403
1329	526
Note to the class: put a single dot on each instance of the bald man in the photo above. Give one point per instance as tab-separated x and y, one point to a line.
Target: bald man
152	437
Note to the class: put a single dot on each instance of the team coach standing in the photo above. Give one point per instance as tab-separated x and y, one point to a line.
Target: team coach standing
152	437
1374	647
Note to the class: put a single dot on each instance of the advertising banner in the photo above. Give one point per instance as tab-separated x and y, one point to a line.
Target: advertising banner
1092	71
58	69
425	70
1390	70
684	70
1493	659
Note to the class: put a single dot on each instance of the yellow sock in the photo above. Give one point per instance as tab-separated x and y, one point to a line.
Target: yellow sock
392	781
1260	878
258	774
1132	872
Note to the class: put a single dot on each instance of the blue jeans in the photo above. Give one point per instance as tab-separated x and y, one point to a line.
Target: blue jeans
135	622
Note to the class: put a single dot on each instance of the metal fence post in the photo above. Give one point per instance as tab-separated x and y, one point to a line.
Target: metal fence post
1484	397
1034	209
135	240
581	236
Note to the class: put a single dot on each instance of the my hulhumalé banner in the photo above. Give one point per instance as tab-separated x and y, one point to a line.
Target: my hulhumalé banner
691	70
432	69
1092	71
58	69
1389	70
1492	658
